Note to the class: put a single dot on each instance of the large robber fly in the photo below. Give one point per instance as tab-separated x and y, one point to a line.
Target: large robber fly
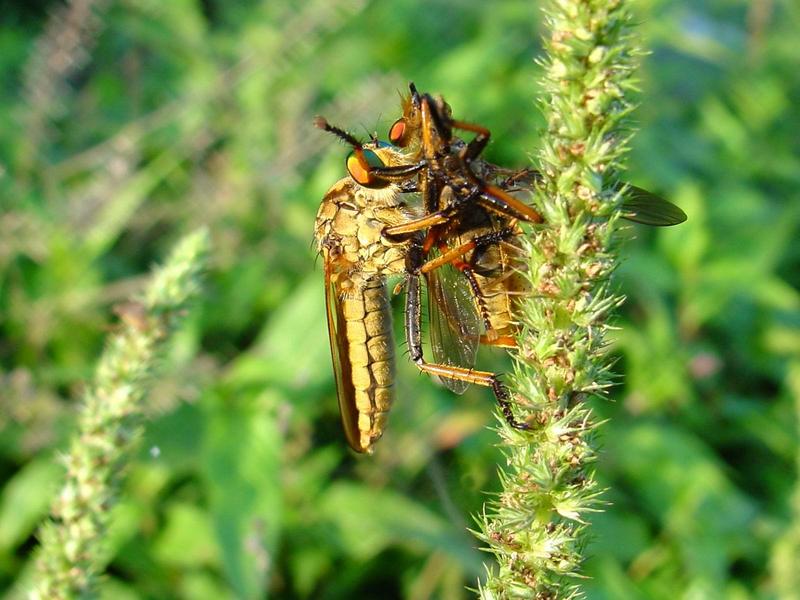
357	258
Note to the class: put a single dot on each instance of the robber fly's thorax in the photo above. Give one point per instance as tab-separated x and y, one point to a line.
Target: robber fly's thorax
351	221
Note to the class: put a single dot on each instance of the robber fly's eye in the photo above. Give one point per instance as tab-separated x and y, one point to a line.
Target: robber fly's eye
360	165
397	132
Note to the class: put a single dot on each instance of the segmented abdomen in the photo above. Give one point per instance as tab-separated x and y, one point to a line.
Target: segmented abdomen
368	327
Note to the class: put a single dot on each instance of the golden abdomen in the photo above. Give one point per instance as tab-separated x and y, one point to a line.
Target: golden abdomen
368	328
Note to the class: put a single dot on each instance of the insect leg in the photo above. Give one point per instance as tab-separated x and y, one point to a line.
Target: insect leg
477	293
475	146
453	256
450	255
398	173
415	225
501	202
414	340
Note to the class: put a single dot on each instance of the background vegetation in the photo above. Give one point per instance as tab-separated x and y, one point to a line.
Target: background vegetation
125	125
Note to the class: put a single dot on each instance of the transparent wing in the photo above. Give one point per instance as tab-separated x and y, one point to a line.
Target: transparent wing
340	355
453	321
641	206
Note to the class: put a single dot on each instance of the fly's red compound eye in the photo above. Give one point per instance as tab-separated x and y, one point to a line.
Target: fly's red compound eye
397	132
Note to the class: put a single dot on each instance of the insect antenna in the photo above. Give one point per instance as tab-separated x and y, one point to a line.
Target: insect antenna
322	123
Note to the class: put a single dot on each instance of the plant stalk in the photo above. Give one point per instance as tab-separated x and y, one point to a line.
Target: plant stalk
109	427
536	528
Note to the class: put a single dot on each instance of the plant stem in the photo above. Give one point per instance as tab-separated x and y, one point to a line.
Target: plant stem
536	528
109	426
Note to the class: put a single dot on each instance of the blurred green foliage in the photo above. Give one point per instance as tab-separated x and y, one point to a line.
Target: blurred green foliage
123	130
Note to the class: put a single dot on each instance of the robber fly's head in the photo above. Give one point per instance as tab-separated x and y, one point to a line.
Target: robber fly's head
406	131
364	162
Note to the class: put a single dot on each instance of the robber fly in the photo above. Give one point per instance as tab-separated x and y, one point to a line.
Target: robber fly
479	236
357	258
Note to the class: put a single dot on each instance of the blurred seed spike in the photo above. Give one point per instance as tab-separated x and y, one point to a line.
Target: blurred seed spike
109	427
63	49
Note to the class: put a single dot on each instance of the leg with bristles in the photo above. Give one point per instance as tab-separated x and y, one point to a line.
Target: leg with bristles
414	341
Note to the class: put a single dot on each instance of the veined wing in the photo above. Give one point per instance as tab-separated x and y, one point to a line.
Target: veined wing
453	322
340	355
641	206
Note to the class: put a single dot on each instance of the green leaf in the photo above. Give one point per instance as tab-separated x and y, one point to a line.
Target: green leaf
293	347
187	539
368	521
243	472
25	500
